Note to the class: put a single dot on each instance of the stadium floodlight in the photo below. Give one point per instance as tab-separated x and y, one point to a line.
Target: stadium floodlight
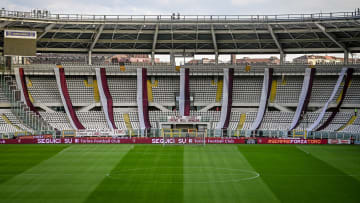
183	136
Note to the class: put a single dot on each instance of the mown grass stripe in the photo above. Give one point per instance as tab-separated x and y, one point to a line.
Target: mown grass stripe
15	159
343	157
216	163
69	176
296	176
148	173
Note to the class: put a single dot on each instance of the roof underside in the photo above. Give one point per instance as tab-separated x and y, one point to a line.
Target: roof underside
163	37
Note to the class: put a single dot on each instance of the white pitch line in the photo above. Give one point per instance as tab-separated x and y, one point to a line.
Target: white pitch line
306	152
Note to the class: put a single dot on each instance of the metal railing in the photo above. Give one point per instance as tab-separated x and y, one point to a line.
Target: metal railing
40	14
155	132
47	69
35	123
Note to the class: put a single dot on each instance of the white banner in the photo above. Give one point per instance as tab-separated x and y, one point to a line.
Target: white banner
333	94
103	98
263	101
58	82
184	119
139	98
302	98
99	133
225	100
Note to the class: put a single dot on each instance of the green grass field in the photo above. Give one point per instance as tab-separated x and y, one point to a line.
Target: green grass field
153	173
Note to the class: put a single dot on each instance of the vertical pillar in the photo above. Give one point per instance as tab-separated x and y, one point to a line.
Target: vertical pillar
216	58
233	59
152	58
8	62
346	57
90	80
89	58
172	58
282	58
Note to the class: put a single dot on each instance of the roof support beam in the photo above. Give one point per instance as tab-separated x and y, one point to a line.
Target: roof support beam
154	44
240	41
262	31
5	23
89	58
208	51
96	37
46	30
346	57
215	44
276	40
331	37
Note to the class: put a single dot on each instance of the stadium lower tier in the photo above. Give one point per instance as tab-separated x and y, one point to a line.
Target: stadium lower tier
273	120
203	90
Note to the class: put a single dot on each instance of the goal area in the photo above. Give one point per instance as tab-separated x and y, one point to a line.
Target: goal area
183	136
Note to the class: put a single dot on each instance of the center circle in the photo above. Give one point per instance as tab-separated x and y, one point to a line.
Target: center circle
183	175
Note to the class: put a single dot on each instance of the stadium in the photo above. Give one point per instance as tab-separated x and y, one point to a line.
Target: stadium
81	123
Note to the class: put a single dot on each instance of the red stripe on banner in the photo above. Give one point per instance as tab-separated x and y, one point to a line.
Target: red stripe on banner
349	74
25	91
68	100
187	93
145	99
230	96
108	96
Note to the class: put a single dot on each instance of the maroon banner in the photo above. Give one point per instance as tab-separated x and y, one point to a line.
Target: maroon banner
290	141
187	92
110	140
307	98
108	96
68	103
348	78
230	95
25	92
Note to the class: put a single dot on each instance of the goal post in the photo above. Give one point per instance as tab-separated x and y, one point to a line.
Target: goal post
183	136
299	133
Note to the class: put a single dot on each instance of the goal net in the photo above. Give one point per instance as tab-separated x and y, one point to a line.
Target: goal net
183	136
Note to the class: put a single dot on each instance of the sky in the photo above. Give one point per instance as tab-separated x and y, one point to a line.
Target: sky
185	7
188	7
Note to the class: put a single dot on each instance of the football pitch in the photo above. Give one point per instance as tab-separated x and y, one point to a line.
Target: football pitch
181	173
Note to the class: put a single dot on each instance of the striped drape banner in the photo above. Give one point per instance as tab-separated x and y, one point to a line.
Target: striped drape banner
142	99
265	93
331	98
226	99
349	73
65	97
184	100
304	97
21	83
105	97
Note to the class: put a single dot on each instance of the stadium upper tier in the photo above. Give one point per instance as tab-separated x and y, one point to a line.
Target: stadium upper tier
246	91
166	70
192	34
